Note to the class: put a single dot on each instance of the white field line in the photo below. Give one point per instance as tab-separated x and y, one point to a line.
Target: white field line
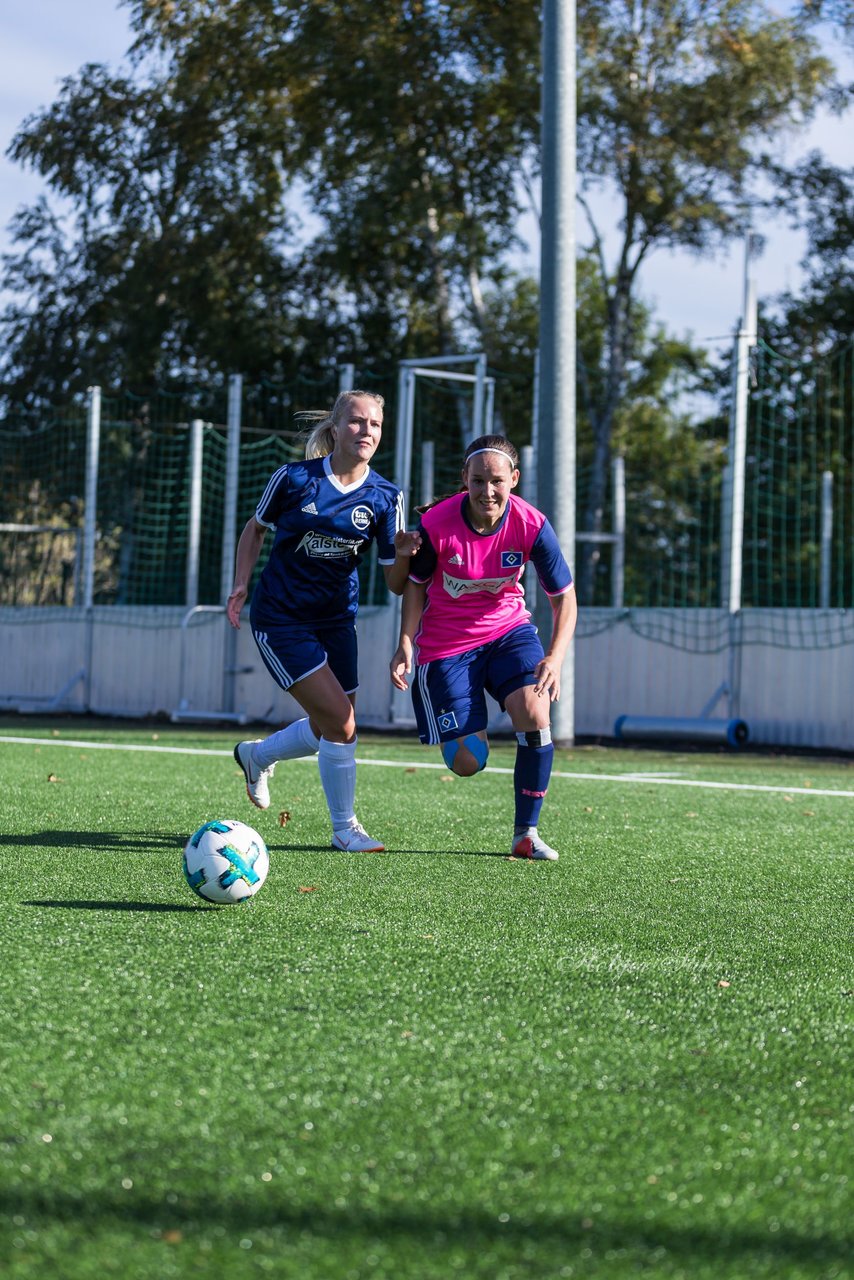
633	778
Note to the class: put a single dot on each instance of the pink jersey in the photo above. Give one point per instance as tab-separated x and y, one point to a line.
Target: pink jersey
474	592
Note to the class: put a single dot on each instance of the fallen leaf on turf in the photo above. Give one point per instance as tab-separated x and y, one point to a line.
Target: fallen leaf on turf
723	983
51	777
809	813
410	771
588	808
308	888
284	818
511	857
807	782
172	1237
691	814
789	799
446	777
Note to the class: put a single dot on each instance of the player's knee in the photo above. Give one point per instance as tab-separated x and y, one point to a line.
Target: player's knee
466	756
337	727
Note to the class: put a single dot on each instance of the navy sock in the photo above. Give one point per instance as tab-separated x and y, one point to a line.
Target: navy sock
531	780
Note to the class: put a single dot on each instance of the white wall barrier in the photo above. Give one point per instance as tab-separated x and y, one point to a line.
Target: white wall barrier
128	661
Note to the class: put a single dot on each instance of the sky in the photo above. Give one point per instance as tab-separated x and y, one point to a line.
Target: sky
42	41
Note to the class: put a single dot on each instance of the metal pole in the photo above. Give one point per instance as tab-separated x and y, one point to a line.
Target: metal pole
400	432
528	491
90	512
489	411
618	563
726	498
229	533
408	435
346	377
826	537
528	480
556	418
477	408
535	416
232	476
194	517
746	339
398	704
428	472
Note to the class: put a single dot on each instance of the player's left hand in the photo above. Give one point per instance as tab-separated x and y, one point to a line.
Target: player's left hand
401	666
406	543
547	680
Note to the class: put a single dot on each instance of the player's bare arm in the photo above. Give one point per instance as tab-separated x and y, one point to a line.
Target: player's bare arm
564	618
414	594
248	550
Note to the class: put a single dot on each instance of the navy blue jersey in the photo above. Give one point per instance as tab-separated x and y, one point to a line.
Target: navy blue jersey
323	528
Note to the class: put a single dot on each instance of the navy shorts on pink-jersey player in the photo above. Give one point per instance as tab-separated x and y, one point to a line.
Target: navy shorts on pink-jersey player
292	650
448	693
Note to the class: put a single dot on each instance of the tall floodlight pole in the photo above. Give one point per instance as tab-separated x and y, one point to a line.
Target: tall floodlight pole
556	410
745	341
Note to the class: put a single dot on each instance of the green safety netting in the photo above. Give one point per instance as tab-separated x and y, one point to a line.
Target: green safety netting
798	548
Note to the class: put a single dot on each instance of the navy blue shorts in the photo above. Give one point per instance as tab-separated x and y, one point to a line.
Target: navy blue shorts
293	650
448	693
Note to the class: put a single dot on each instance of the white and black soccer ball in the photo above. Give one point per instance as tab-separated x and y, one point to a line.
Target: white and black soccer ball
225	861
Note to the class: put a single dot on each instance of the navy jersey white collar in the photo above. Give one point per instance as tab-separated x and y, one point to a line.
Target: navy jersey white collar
343	488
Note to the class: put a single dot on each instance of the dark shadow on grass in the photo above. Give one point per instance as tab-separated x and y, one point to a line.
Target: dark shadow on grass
83	904
473	1230
417	853
454	853
122	842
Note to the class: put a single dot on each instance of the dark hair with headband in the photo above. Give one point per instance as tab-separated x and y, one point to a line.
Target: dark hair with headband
483	444
492	444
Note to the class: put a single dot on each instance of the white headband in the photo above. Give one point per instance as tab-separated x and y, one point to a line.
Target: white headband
490	449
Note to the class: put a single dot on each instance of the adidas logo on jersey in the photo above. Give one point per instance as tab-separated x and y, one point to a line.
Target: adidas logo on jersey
455	559
310	510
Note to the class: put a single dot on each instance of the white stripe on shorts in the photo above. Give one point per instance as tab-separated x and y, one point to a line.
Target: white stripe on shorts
432	723
282	676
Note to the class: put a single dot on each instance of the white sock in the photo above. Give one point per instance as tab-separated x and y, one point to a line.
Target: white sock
289	743
337	764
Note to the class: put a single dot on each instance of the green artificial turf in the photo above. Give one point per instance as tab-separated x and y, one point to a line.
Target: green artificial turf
434	1061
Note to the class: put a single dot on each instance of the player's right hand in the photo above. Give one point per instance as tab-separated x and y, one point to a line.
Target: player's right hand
234	605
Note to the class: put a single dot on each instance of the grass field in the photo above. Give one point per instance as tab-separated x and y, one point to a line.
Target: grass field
435	1061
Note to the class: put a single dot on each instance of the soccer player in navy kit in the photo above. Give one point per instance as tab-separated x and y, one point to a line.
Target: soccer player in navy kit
465	623
325	512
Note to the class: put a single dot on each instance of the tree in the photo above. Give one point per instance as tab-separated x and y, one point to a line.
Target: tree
405	126
408	131
171	257
676	98
820	197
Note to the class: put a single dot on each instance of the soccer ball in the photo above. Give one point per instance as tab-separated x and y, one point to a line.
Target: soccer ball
225	861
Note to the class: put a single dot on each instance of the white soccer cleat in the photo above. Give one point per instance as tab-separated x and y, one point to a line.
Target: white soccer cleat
533	846
355	839
257	779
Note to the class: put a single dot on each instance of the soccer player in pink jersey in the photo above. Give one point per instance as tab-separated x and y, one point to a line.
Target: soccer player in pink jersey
465	625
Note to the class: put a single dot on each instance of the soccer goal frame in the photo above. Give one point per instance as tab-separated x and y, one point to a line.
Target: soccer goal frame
436	367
